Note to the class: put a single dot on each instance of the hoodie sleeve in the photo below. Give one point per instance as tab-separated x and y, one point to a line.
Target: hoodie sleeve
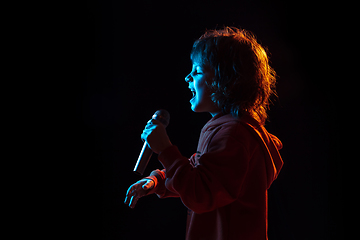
215	182
158	176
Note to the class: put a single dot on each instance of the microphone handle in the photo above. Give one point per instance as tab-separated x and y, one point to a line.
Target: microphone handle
143	159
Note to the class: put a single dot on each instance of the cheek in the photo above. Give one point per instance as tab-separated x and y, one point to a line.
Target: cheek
204	95
199	94
203	92
202	86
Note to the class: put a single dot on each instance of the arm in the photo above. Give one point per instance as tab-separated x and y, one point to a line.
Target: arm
155	135
215	182
159	179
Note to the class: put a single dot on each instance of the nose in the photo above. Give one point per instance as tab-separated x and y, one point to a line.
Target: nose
188	78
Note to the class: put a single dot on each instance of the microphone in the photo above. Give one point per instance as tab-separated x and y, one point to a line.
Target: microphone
162	116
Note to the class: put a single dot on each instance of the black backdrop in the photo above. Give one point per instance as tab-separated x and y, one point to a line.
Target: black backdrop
137	57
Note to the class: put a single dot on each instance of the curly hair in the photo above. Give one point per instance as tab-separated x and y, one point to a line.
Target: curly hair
244	80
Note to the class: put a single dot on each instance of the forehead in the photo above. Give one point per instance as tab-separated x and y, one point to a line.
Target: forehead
197	59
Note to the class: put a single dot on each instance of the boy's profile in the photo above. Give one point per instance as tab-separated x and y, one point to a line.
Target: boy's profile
224	184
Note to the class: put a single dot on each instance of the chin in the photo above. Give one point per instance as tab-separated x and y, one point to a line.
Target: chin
193	108
197	108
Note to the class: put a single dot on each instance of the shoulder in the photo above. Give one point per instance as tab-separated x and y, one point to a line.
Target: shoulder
233	129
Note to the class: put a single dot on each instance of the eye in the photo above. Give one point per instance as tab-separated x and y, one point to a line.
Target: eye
197	71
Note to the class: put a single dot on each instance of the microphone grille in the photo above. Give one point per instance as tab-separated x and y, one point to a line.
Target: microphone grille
163	116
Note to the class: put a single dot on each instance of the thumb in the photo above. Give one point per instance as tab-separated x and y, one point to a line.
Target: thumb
148	185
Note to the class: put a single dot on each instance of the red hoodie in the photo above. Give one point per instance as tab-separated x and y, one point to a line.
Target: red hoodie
224	184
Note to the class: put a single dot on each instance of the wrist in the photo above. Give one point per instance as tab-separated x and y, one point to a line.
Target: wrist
152	178
165	146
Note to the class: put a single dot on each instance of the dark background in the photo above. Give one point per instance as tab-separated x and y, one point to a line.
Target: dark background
137	55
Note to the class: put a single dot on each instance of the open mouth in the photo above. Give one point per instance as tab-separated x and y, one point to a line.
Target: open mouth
193	93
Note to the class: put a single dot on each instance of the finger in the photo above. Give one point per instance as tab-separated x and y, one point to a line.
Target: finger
129	194
155	122
150	126
144	136
133	201
131	191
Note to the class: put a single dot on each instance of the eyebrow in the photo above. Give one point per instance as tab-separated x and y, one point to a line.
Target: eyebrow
196	66
197	60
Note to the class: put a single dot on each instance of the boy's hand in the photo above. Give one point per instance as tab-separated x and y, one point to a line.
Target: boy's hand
156	137
139	189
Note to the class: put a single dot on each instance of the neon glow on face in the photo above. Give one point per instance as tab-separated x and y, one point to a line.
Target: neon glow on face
201	100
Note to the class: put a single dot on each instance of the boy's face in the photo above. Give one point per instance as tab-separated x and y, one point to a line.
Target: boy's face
201	100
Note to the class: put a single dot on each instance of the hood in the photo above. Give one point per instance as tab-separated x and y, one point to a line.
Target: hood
269	143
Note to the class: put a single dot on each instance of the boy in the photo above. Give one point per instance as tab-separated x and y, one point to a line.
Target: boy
224	184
